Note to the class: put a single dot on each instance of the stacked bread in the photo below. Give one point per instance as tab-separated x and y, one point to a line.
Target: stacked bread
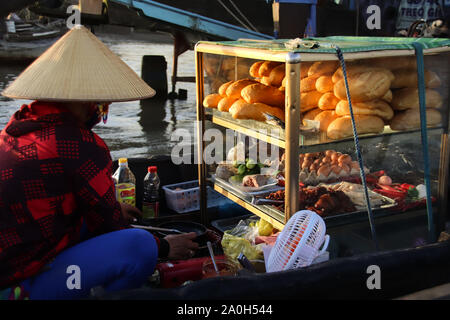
253	98
405	100
221	69
369	88
378	87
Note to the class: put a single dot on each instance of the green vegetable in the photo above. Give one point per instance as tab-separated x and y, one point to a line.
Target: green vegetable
255	170
413	193
236	178
250	164
242	169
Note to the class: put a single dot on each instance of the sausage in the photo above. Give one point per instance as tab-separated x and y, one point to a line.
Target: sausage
345	158
306	164
329	153
336	156
345	167
325	171
336	169
313	167
326	160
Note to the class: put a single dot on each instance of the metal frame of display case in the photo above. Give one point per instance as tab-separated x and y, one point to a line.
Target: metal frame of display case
291	142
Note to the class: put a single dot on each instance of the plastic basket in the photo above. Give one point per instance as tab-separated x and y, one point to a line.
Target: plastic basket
188	199
298	244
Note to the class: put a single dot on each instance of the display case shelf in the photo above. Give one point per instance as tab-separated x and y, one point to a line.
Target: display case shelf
275	217
276	135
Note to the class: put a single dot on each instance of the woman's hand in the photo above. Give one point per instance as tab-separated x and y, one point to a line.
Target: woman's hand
130	213
181	246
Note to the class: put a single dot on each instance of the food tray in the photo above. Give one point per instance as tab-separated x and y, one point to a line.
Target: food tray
340	218
188	199
247	195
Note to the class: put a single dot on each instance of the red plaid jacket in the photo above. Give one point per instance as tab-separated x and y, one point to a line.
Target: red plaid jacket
54	174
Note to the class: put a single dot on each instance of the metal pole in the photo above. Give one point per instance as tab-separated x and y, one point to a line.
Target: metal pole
200	132
292	133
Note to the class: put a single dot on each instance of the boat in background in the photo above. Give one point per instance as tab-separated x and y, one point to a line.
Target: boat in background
24	41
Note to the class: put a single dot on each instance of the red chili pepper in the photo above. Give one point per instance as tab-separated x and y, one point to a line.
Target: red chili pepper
406	186
371	180
391	189
391	193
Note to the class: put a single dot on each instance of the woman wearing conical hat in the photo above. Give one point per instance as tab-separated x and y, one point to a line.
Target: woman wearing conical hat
56	188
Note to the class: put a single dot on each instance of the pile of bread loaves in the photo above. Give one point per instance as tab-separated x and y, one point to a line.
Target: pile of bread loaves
252	98
383	91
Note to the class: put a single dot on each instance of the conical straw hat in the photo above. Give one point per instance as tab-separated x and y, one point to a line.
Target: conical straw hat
79	67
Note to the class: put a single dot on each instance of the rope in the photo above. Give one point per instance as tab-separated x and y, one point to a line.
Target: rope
358	148
233	15
423	128
243	16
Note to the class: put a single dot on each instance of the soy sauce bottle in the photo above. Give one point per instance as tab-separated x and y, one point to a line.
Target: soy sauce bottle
150	201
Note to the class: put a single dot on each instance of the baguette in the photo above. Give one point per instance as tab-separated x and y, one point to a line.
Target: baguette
267	67
212	100
410	119
358	68
365	86
223	88
408	98
254	69
324	84
323	67
326	118
304	68
309	100
265	94
308	84
342	127
225	104
254	111
328	101
310	115
277	75
388	96
373	108
407	78
234	90
393	63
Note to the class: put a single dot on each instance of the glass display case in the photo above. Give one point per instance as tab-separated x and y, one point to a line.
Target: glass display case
364	144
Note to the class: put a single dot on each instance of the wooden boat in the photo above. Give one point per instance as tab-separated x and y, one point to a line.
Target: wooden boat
29	40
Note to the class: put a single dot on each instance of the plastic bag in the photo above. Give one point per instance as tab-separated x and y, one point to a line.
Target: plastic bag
242	239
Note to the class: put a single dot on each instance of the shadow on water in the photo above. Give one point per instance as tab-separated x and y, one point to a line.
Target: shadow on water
152	115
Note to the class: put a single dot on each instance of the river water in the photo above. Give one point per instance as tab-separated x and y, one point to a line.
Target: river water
132	130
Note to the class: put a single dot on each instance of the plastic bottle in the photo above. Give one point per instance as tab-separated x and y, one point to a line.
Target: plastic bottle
150	201
125	183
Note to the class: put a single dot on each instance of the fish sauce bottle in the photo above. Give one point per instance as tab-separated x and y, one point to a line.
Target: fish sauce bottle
125	183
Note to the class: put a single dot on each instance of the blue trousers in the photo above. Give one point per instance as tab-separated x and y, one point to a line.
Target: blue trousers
115	261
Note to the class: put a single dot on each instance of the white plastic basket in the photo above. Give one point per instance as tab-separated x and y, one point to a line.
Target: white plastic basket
188	198
298	244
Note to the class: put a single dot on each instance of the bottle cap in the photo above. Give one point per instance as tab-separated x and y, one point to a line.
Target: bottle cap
123	160
152	169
